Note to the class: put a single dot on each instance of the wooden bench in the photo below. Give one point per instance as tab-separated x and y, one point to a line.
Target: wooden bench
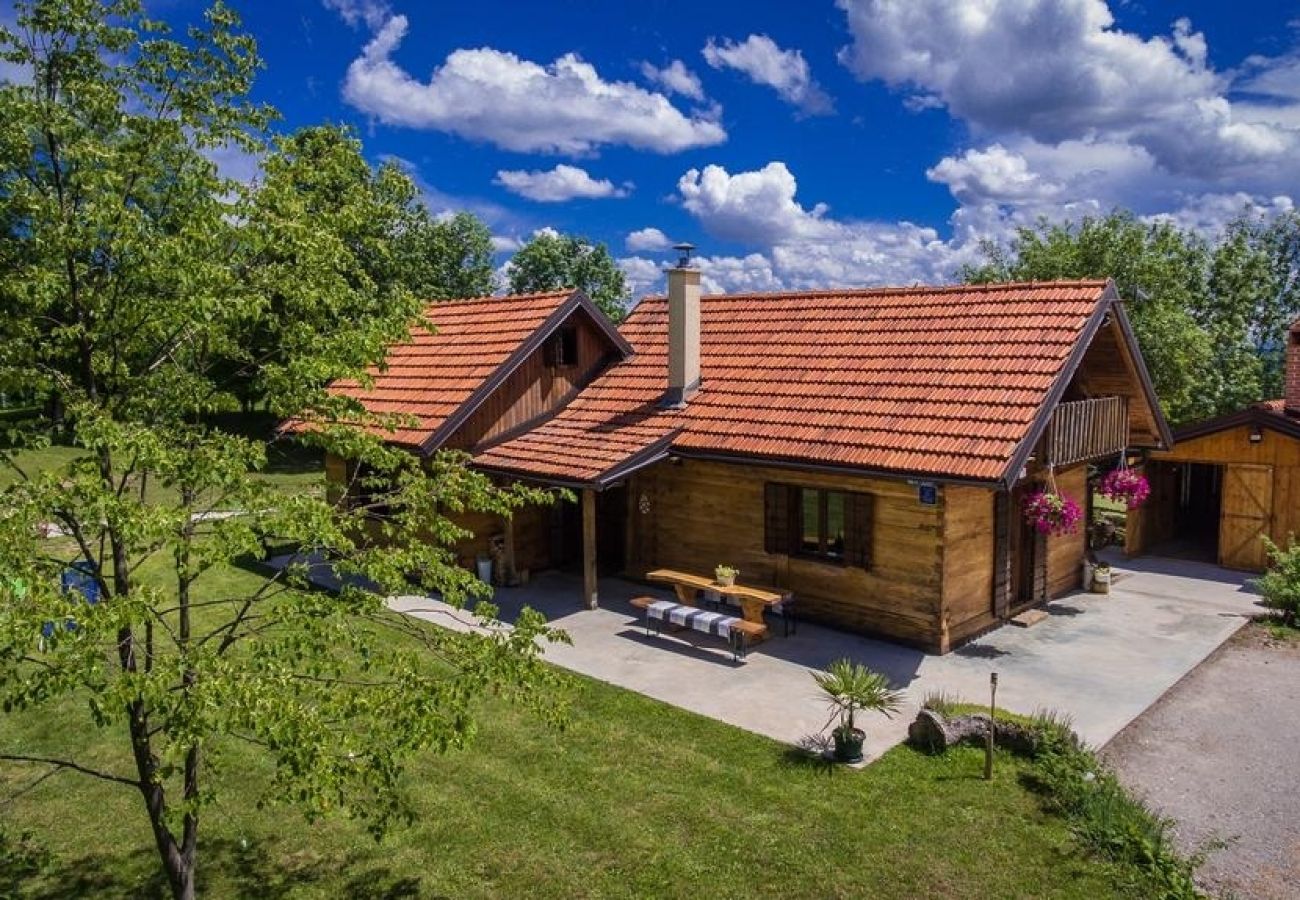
738	632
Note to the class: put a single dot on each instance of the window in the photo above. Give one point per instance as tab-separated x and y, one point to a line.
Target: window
562	348
834	526
821	515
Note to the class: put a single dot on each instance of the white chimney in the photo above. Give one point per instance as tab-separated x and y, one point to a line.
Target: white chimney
683	330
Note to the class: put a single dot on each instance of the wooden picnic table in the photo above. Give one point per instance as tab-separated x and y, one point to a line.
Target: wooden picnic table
752	600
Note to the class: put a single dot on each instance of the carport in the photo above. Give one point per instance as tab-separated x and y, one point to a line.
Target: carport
1226	484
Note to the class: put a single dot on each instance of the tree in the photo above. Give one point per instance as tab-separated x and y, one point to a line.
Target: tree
320	174
553	261
1208	316
445	258
134	275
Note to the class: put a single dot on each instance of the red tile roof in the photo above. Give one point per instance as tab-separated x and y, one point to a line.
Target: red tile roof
432	375
938	382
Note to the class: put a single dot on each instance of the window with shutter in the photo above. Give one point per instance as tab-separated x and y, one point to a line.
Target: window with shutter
776	518
858	529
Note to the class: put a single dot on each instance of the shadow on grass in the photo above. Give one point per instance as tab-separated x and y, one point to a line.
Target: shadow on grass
227	867
812	752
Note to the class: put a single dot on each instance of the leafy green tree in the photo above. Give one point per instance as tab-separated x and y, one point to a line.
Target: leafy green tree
445	258
134	275
552	261
1208	316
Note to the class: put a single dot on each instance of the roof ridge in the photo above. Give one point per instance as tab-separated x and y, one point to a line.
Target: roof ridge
498	298
910	289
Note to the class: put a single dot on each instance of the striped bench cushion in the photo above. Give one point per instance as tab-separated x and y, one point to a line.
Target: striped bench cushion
691	617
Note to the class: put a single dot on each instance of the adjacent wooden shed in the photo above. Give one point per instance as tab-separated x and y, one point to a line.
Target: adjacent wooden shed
1227	483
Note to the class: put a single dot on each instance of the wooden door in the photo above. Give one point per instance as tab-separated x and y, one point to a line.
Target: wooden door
1246	517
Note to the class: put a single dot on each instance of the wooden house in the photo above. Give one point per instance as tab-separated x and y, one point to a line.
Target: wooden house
1227	483
866	449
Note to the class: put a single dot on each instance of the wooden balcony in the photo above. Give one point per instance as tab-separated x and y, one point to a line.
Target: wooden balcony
1085	429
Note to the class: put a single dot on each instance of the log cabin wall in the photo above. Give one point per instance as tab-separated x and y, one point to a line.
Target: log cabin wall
537	387
698	514
1065	552
969	539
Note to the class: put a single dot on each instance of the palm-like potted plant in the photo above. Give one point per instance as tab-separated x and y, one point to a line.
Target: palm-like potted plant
852	688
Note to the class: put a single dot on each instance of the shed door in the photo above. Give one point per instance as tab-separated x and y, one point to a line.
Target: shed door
1246	517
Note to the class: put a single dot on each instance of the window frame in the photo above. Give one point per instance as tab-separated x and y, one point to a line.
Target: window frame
823	553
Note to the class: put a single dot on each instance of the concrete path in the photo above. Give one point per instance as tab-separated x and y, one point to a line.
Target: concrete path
1100	659
1217	754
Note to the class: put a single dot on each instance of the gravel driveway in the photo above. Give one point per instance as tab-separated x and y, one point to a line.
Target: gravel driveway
1219	755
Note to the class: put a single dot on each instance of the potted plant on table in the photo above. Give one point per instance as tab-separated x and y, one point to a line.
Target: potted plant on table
725	575
852	688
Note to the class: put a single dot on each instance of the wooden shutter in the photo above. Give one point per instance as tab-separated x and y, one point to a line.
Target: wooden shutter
858	530
776	517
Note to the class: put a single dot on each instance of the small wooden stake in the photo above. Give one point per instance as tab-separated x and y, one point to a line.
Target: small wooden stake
993	712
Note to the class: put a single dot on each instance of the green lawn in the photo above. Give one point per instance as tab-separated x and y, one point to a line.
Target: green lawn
633	798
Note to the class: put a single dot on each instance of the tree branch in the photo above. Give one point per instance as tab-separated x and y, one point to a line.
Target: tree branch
69	764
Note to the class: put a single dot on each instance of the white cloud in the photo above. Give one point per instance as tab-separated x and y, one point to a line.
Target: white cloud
785	71
647	240
994	172
800	247
750	207
372	13
643	275
804	247
558	184
490	95
1060	70
675	78
1210	213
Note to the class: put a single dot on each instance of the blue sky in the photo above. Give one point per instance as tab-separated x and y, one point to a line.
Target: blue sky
831	142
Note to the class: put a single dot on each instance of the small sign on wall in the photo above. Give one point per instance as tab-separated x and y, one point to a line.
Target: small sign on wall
927	492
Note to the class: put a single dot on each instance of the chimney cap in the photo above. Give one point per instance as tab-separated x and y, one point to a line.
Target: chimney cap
684	248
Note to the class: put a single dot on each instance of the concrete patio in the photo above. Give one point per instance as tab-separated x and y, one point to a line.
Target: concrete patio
1101	659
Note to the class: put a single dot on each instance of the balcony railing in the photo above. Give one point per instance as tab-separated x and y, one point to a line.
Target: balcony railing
1084	429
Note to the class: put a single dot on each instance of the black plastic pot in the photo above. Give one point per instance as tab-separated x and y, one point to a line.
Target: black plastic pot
848	744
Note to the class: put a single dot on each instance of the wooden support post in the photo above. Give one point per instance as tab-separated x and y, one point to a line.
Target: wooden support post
509	577
589	548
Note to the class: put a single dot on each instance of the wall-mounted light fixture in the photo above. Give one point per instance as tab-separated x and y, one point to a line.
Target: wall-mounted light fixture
1256	434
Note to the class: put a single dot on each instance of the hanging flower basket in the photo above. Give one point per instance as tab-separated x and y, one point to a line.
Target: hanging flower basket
1125	486
1052	513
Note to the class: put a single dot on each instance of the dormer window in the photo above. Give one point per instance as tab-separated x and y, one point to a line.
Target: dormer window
562	348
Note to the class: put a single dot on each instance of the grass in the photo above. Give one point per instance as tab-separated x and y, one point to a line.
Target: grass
290	467
1279	630
633	798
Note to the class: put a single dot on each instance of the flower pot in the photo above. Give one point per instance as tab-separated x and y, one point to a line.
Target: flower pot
848	744
726	580
484	567
1101	581
1088	570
